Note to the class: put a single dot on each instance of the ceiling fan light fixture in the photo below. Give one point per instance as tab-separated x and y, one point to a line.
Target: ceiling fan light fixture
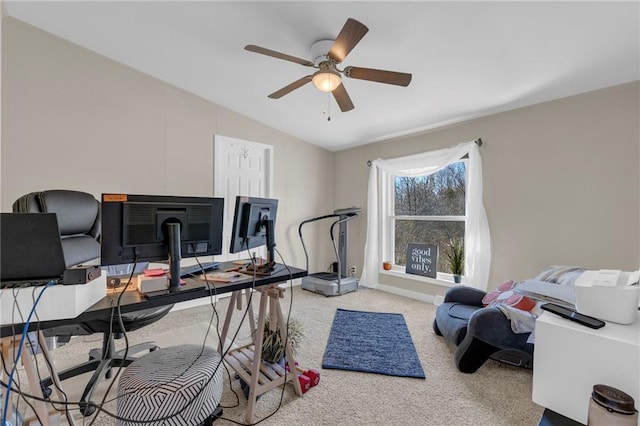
327	80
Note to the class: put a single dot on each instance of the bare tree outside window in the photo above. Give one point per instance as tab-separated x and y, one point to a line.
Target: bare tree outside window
430	209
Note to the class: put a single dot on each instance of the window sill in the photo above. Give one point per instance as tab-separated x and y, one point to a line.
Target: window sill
399	273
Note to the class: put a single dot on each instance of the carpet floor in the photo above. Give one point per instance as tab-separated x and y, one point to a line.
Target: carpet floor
496	395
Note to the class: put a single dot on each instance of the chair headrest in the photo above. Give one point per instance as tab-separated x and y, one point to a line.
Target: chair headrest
77	212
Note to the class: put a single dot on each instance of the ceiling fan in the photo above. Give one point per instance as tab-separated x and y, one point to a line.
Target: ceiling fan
327	55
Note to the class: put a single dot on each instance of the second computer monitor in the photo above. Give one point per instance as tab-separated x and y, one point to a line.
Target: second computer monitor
254	224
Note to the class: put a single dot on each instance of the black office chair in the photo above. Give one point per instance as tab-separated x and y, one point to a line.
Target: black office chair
78	215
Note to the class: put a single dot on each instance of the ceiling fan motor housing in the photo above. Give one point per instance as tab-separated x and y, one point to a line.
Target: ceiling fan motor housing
319	51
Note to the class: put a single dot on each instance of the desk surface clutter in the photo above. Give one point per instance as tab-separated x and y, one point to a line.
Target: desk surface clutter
91	300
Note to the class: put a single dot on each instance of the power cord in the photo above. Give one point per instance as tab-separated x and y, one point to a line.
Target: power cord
19	352
40	343
13	309
124	335
101	408
286	343
25	396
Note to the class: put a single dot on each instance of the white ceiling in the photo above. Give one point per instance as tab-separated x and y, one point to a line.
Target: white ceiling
468	59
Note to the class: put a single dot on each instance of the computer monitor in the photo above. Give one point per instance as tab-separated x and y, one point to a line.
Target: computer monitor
254	226
152	228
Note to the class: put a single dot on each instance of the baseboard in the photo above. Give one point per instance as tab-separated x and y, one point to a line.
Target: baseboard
428	298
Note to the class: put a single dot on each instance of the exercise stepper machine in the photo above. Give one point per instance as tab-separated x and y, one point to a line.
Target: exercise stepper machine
337	282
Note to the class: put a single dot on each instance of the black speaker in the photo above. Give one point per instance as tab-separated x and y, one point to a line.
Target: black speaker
81	274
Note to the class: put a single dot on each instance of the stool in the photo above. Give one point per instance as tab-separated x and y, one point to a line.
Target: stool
178	385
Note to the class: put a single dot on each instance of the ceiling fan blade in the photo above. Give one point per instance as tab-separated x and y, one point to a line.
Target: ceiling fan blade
290	88
342	98
350	35
274	54
381	76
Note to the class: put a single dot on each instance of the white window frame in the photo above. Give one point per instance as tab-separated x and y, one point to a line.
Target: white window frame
477	233
387	232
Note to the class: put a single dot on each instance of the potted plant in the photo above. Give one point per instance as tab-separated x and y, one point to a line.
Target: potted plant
273	347
455	255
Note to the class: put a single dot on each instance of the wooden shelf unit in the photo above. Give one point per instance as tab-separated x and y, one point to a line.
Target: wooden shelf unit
247	362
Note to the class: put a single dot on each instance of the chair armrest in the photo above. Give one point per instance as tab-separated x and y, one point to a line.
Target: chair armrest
465	295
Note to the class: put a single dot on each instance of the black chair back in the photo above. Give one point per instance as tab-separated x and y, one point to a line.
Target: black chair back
78	216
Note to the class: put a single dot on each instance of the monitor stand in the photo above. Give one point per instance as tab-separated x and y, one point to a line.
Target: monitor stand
261	270
174	256
267	268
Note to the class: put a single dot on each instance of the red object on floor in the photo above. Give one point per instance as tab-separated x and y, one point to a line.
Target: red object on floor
305	383
313	375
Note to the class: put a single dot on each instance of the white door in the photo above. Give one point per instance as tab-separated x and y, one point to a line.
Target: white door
240	168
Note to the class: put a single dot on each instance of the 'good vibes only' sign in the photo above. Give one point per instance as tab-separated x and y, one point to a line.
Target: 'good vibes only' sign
422	259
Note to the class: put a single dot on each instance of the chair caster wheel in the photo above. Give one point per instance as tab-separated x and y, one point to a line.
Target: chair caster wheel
87	408
213	417
95	354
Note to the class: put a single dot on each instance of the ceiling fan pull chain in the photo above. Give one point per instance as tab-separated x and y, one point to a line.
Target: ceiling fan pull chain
328	106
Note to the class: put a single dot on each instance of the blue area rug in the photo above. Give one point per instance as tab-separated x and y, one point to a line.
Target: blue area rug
371	342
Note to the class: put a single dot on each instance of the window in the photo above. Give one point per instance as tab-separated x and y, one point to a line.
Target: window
452	178
426	209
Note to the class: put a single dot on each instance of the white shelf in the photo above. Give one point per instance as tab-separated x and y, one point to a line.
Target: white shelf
570	358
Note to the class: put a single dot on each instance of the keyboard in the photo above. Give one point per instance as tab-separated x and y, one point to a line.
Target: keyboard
186	271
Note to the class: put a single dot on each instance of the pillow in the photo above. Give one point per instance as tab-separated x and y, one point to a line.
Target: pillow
504	295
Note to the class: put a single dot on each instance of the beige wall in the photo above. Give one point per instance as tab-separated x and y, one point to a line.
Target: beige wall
561	179
74	119
561	183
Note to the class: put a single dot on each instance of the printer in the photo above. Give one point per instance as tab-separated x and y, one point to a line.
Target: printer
609	295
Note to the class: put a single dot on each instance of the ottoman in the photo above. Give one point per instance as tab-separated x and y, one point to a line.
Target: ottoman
178	385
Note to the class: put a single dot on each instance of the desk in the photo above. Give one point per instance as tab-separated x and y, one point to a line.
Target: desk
270	294
134	301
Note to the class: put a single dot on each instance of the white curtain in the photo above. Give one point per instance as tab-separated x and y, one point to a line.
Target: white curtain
477	239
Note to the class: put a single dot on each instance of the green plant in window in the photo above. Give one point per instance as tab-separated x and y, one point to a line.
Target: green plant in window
455	256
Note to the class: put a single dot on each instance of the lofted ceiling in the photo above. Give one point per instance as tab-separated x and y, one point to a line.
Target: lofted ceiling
468	59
